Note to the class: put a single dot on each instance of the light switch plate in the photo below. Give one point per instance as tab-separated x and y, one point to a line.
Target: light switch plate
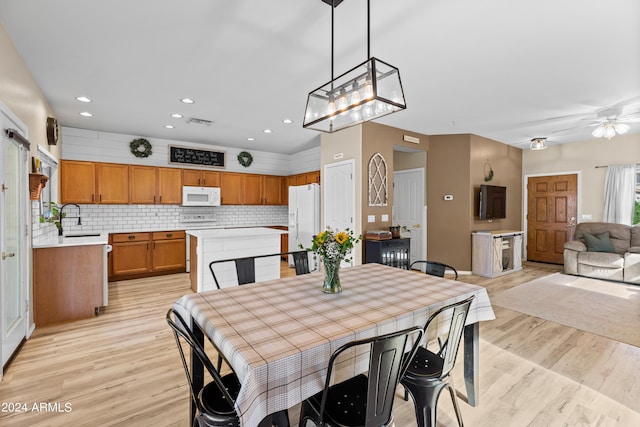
385	218
371	218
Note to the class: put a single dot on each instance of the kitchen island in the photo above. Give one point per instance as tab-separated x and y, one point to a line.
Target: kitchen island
226	243
69	277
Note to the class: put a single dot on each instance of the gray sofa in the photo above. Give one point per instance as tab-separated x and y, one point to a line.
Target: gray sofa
622	264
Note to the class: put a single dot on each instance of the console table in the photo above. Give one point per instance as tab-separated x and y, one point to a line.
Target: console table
495	253
393	252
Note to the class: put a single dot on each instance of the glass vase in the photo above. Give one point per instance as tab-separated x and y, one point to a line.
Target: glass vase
331	276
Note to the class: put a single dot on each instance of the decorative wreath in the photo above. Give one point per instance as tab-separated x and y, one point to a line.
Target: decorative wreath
488	172
140	147
245	158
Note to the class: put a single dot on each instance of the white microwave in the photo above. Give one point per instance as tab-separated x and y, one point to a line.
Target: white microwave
200	196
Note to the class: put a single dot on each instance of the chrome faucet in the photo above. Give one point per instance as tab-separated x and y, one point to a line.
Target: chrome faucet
60	231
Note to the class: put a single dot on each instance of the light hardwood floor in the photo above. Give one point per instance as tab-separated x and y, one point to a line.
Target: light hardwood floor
122	368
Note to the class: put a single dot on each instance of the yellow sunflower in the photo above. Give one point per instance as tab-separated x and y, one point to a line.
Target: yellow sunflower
320	237
342	237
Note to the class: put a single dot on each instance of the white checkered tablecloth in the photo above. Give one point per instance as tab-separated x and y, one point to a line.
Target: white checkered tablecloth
278	335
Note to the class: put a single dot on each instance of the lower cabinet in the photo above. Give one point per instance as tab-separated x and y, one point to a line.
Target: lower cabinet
393	252
147	254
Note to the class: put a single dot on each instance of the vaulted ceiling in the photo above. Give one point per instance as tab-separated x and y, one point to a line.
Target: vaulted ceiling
505	70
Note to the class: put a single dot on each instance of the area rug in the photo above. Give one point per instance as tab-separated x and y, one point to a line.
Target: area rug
610	309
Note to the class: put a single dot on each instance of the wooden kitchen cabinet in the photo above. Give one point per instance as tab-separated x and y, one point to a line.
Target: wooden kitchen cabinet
147	254
89	182
169	251
112	183
169	186
131	253
252	189
230	188
200	178
77	182
313	177
272	190
153	185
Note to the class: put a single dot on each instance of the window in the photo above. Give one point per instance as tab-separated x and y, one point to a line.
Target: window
49	168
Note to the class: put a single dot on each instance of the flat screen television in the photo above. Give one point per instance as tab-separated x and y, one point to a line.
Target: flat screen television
493	202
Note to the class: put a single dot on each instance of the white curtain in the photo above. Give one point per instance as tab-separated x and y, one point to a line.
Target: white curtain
619	194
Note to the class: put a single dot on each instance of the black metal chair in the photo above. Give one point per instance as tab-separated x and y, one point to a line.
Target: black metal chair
215	402
246	266
435	268
364	400
429	372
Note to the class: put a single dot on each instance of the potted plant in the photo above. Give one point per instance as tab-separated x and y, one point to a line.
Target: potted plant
53	216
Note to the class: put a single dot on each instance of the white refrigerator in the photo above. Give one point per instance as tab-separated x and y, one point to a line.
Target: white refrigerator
304	218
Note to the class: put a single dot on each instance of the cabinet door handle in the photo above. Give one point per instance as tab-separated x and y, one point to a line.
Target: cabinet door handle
160	199
131	237
101	198
169	234
154	199
203	181
93	198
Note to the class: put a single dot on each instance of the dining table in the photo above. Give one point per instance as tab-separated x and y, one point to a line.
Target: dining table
278	335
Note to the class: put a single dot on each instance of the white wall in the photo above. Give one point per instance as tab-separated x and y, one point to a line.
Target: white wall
97	146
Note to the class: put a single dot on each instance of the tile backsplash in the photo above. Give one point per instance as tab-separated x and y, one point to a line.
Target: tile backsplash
126	218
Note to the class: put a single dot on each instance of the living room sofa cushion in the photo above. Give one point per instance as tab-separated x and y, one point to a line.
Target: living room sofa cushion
598	243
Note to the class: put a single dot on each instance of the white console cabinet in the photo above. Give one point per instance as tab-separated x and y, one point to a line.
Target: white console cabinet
495	253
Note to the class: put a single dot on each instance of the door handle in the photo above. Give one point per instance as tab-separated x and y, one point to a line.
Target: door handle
7	255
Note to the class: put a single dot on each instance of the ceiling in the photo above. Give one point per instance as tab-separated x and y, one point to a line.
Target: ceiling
505	70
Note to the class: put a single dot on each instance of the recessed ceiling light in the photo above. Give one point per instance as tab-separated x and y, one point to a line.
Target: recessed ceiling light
169	126
287	121
267	131
251	139
176	115
86	114
187	101
83	99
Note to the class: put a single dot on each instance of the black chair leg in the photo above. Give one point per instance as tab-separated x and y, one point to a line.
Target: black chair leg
425	401
280	419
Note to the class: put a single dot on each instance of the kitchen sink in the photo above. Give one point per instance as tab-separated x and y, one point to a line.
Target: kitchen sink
82	235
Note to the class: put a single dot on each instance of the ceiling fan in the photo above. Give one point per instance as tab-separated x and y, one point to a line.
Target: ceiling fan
612	121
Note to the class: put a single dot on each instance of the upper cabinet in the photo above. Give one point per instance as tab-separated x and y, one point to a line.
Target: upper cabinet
200	178
112	183
251	189
153	185
88	182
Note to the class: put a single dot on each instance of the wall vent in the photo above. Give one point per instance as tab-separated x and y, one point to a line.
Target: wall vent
409	138
200	122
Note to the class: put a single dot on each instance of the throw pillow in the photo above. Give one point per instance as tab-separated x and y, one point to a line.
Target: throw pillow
598	243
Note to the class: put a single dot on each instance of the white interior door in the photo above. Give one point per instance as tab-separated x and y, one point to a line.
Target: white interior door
338	196
409	210
13	240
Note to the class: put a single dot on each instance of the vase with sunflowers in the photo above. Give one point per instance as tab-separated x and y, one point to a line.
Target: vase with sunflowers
333	246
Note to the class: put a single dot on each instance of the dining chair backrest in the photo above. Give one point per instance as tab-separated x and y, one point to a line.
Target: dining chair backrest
246	266
435	268
182	333
387	365
453	335
300	262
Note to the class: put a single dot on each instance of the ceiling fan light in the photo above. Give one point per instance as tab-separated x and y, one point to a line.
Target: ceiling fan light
609	131
621	128
599	131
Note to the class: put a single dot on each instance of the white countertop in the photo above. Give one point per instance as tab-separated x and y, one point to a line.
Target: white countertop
236	232
56	241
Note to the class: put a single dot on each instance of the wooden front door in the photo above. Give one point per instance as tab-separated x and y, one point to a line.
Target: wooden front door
551	216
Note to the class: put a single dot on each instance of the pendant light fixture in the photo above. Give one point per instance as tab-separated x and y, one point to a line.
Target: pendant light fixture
368	91
538	144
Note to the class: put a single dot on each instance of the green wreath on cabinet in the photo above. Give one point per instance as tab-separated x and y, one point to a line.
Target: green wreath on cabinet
245	158
140	147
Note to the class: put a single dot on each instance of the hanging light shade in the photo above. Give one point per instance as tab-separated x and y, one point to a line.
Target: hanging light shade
538	144
368	91
610	129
